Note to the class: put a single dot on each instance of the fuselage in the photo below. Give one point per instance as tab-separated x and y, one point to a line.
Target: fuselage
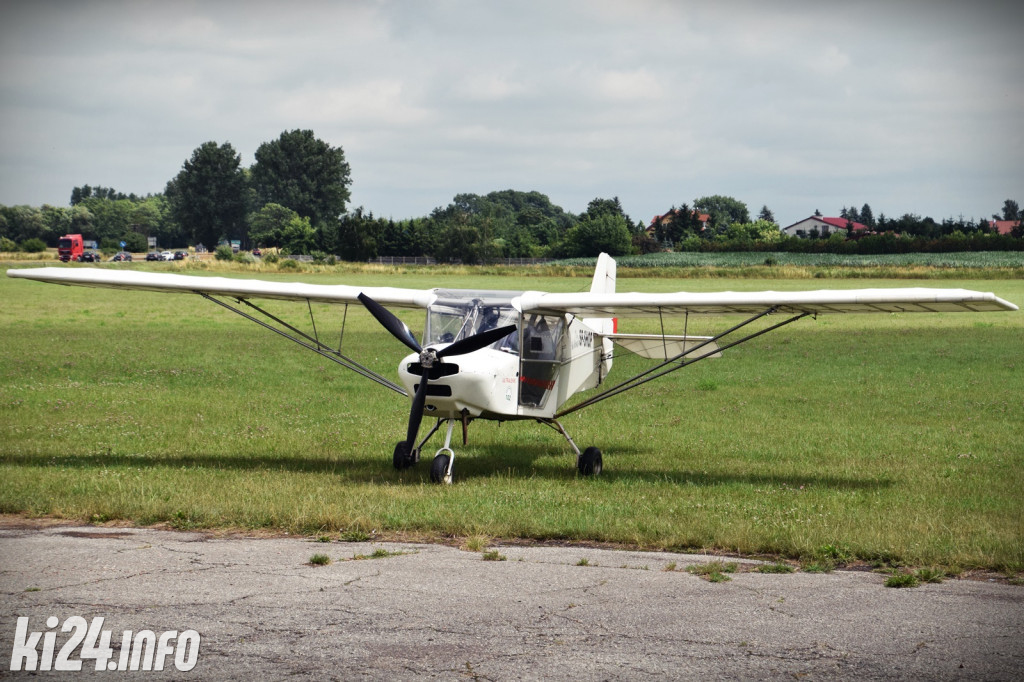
528	374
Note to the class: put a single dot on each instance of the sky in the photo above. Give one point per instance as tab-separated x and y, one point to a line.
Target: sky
909	106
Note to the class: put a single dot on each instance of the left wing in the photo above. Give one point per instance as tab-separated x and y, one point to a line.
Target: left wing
242	290
226	286
909	300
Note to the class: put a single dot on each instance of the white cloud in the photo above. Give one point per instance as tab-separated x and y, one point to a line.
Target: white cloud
638	85
378	103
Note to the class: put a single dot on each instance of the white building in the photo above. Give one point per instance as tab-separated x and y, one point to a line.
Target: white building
824	226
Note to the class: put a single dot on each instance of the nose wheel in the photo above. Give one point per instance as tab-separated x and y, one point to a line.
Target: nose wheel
441	467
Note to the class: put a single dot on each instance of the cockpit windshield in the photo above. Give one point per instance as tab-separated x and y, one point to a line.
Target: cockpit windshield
457	315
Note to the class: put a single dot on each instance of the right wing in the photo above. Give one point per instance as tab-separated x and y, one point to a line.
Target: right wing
226	286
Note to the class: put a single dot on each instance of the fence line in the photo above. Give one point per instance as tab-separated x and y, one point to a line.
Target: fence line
425	260
422	260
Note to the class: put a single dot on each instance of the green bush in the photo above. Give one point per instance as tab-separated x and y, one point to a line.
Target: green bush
134	242
33	245
289	264
223	252
244	257
7	245
270	258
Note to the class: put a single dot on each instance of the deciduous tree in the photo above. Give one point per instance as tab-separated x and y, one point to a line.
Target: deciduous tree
266	226
207	197
723	211
302	173
608	233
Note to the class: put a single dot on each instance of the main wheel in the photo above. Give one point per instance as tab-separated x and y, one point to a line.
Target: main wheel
439	468
590	462
403	459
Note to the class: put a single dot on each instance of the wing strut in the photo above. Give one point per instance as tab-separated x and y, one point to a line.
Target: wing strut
680	361
313	344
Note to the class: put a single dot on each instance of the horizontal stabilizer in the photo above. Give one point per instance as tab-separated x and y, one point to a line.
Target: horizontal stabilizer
658	347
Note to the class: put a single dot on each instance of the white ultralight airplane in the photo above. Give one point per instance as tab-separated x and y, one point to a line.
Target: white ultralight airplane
513	355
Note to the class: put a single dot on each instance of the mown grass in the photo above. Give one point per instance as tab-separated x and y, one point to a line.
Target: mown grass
883	435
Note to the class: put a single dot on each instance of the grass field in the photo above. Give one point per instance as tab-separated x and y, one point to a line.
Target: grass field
876	437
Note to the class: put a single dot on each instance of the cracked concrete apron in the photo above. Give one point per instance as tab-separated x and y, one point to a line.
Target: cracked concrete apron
263	611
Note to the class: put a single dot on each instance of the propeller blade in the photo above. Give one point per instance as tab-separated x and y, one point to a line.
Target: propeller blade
394	325
416	414
476	342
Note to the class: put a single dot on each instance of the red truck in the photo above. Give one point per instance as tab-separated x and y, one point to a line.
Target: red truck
70	248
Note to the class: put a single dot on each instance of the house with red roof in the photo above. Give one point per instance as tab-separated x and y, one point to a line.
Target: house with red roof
824	226
1004	226
702	218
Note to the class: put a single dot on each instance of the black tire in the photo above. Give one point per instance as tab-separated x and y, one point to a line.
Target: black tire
403	458
438	468
590	462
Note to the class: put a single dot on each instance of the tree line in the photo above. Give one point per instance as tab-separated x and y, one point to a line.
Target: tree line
295	197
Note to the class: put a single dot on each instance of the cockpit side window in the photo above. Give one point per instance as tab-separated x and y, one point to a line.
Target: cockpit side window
541	357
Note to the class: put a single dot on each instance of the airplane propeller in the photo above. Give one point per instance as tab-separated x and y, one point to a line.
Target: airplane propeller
428	356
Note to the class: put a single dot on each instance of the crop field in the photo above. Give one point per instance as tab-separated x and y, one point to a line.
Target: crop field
941	265
895	437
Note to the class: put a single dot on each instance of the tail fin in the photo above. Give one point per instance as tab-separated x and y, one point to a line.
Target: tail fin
604	275
603	283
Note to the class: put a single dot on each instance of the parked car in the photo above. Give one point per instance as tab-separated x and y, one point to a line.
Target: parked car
89	257
180	255
123	256
152	255
256	252
167	255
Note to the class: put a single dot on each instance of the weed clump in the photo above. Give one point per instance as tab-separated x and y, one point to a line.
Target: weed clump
930	575
379	553
903	580
319	560
476	543
715	571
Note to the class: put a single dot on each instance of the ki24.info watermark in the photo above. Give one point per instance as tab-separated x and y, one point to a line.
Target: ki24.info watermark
142	650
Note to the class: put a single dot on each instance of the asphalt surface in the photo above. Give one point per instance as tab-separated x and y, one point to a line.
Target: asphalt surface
432	611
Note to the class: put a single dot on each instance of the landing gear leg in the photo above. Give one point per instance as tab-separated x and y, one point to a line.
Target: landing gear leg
588	462
419	448
441	467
